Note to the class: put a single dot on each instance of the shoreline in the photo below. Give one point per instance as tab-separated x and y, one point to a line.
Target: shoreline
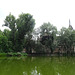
36	54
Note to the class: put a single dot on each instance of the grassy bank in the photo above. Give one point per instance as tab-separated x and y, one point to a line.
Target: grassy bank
34	54
3	54
13	54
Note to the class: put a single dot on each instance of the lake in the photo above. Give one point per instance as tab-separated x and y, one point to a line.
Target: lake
37	65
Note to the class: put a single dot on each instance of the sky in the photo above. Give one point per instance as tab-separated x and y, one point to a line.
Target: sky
57	12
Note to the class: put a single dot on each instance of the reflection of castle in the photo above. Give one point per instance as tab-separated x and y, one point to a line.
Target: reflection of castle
70	26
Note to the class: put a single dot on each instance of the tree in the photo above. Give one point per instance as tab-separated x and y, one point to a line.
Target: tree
48	35
1	33
18	29
29	45
25	24
10	22
6	32
3	43
66	39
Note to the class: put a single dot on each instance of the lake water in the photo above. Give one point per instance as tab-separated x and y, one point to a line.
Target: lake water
37	65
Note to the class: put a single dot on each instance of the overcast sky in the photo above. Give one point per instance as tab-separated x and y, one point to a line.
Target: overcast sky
57	12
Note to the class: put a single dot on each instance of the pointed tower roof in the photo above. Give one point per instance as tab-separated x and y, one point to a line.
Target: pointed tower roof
69	22
70	26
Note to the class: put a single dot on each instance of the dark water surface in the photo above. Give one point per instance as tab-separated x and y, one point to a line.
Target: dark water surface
37	66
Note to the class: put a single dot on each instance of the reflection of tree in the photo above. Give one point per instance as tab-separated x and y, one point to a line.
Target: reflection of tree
35	72
37	66
24	73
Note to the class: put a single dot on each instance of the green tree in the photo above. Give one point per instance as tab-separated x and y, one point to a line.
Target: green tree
3	43
25	24
10	22
6	32
1	33
66	39
18	29
48	34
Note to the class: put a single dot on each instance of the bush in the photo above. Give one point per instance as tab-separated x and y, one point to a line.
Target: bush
3	54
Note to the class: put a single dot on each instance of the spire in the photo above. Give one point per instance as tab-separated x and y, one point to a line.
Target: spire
69	22
70	26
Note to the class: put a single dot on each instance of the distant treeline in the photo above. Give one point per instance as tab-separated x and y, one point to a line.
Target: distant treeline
23	37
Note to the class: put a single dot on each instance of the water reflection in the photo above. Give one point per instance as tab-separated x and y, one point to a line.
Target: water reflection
24	73
37	66
58	73
35	72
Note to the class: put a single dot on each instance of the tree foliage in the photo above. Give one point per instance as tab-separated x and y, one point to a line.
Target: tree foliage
48	35
22	35
66	39
18	29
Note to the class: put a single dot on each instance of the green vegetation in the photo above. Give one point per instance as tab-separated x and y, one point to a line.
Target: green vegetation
21	38
17	54
3	54
13	54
